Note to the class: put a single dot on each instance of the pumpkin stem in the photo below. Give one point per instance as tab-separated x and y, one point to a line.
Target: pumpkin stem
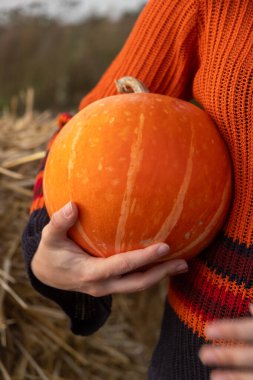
129	85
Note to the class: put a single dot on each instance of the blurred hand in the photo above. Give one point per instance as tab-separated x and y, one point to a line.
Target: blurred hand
61	263
239	356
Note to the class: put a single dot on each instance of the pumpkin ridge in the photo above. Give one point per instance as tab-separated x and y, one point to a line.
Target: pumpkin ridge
86	239
136	156
211	224
72	158
174	216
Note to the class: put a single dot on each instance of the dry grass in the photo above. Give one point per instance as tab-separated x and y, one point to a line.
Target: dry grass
35	341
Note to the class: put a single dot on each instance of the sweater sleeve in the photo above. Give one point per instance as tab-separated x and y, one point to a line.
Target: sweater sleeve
86	313
161	51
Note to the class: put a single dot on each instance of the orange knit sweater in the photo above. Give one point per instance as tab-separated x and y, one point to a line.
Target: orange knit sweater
201	49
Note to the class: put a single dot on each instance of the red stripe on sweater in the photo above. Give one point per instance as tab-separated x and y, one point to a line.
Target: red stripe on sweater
211	297
37	190
38	203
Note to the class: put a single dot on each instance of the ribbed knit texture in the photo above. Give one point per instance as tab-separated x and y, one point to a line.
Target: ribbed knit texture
201	49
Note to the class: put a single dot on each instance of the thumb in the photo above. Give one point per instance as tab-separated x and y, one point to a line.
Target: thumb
61	221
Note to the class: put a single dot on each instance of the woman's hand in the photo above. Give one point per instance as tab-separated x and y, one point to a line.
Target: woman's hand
60	263
239	356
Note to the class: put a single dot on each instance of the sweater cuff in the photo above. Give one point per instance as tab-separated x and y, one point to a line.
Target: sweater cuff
87	314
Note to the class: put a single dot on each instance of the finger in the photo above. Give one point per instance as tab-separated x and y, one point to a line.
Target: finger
123	263
129	261
60	222
251	309
231	375
239	329
139	281
227	356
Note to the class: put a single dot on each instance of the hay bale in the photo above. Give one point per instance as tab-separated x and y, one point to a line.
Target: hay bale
35	341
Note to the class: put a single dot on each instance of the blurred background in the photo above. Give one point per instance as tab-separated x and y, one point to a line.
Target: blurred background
59	47
52	52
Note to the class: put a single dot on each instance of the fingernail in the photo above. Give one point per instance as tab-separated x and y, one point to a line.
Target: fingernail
163	250
212	332
208	357
182	268
67	210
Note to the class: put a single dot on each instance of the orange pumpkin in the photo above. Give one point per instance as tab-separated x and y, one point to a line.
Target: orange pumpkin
142	168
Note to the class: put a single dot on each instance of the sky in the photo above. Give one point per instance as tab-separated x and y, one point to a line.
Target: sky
71	11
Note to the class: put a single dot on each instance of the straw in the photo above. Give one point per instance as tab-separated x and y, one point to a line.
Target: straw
35	337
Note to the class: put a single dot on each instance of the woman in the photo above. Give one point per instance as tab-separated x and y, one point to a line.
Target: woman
182	48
